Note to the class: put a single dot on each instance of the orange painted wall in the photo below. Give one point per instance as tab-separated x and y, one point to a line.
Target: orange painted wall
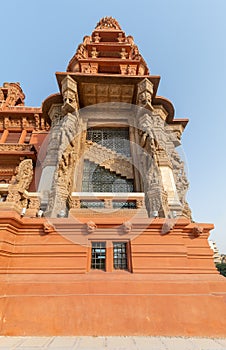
174	290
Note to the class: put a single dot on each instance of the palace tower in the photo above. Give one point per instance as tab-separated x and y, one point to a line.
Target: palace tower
96	235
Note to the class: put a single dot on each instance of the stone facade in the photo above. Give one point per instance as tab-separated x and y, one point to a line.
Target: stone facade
94	221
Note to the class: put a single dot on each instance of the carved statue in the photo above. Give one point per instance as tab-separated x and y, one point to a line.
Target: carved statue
94	52
20	183
123	53
97	38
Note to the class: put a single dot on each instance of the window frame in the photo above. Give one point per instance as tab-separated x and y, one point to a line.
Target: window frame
109	255
103	247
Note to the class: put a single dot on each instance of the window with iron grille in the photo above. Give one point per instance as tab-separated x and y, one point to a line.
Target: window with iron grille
116	139
98	259
120	255
99	179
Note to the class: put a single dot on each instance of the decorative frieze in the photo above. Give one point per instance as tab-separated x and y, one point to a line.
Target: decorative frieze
6	147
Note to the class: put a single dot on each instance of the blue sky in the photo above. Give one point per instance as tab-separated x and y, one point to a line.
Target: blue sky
183	41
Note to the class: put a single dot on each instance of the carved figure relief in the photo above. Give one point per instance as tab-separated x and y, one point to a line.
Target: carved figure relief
70	95
91	226
108	22
197	230
11	94
127	226
20	183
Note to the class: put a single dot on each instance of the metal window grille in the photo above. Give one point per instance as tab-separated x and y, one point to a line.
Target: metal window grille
92	204
99	179
120	255
98	260
124	204
116	139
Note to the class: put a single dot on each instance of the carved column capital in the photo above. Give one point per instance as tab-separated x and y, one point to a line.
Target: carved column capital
70	95
144	94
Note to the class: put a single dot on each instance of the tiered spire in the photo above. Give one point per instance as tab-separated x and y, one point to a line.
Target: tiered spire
109	51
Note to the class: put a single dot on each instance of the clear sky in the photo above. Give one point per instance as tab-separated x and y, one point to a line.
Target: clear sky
183	41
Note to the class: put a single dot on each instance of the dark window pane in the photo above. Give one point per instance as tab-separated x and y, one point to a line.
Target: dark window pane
120	255
116	139
98	255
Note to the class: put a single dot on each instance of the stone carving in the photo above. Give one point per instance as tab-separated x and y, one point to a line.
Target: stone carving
90	68
48	228
168	226
24	175
34	203
94	52
108	23
127	227
135	54
63	177
156	140
130	40
181	181
85	54
20	183
86	40
37	121
97	38
11	95
123	68
2	97
81	52
186	211
123	53
70	95
144	94
120	38
132	69
74	203
91	226
18	122
139	203
108	203
156	198
197	230
15	147
68	130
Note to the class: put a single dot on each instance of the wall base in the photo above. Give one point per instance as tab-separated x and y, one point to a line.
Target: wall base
118	304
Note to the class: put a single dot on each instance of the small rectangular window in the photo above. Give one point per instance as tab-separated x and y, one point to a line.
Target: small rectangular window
120	255
98	260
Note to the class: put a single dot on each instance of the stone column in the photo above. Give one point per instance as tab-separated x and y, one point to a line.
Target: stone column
51	160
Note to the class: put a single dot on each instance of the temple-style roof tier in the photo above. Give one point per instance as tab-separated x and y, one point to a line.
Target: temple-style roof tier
11	94
102	88
108	50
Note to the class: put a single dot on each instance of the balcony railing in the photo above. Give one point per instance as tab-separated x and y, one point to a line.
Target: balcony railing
106	200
